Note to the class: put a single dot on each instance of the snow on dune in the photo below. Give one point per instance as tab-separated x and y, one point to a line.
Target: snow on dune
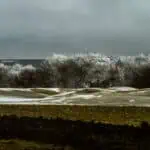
82	96
51	89
56	98
59	90
123	88
74	96
14	99
54	89
132	100
29	89
64	94
13	89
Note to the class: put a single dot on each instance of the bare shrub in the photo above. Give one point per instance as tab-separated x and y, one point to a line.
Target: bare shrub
142	77
46	75
4	78
78	71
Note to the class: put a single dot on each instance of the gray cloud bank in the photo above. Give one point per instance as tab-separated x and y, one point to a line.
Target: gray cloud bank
36	28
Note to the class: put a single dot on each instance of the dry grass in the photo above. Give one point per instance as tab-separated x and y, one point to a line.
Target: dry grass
112	115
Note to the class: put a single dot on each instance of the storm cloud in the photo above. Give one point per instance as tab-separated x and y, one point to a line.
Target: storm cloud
37	28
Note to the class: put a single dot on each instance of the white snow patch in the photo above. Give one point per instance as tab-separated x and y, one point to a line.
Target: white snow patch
50	89
123	88
13	89
64	94
131	100
29	89
99	96
14	99
82	96
54	89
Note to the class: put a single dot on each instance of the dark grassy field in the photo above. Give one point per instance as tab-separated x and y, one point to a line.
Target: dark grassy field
29	133
60	127
16	144
105	114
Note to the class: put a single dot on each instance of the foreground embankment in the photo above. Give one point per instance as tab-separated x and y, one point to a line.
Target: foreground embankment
116	115
68	127
30	133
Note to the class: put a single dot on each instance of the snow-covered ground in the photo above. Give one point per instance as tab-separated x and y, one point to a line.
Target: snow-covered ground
28	89
15	100
113	96
123	88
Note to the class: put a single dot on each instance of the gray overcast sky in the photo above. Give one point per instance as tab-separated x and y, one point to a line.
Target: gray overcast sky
37	28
